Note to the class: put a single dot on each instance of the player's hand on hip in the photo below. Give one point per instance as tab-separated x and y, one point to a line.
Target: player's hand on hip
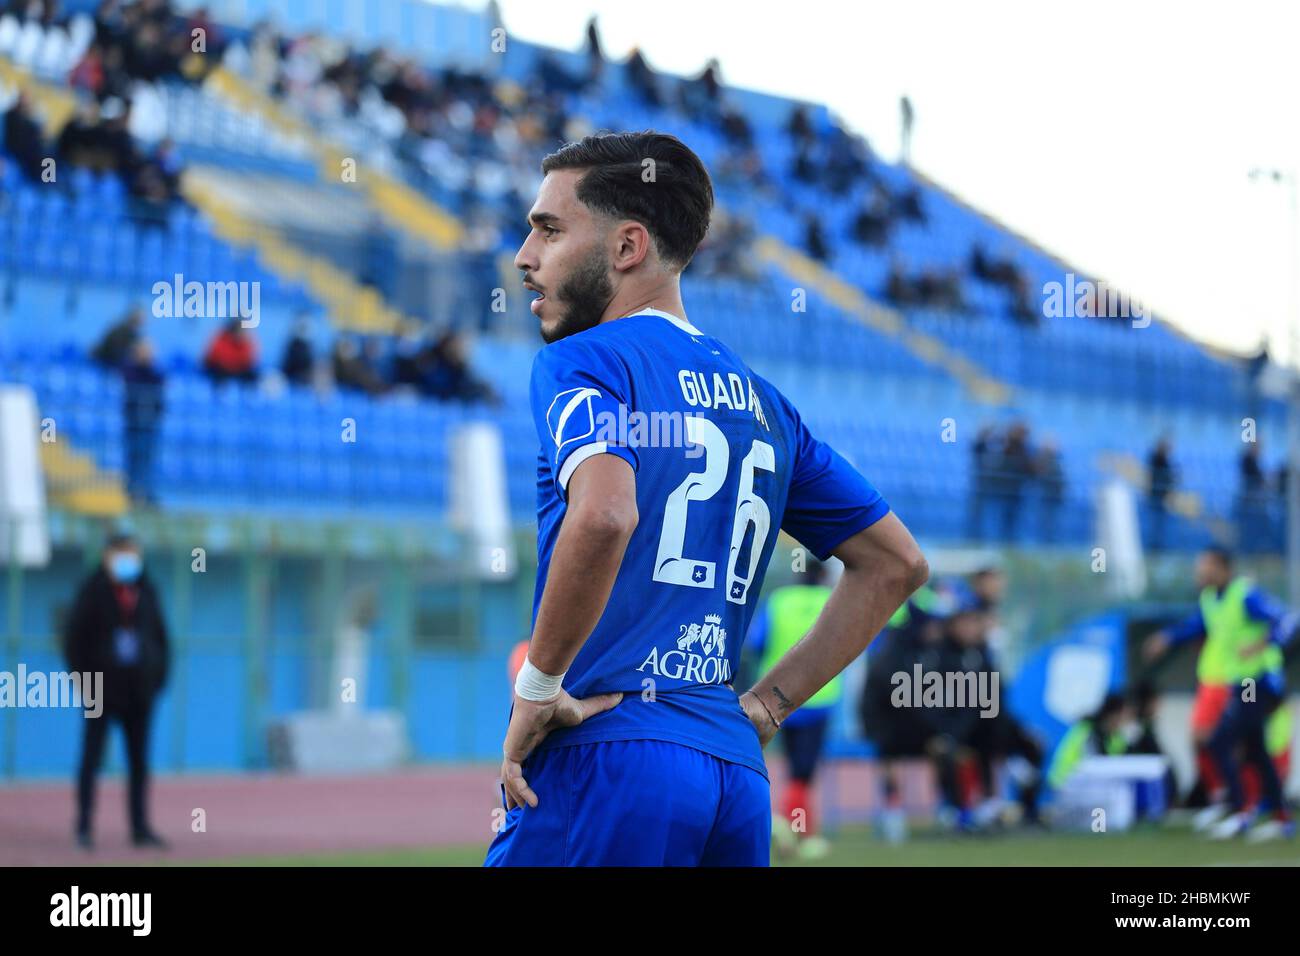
530	722
758	716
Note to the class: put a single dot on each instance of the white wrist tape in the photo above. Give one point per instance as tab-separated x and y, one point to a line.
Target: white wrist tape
532	684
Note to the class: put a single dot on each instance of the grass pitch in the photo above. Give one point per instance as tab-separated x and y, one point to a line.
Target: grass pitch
859	847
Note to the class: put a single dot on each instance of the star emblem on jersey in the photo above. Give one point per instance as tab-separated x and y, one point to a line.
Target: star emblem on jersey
700	572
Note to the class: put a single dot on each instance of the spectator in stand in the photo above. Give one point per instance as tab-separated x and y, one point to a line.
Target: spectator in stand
1162	481
113	137
907	205
871	224
151	200
231	355
214	39
1051	482
449	375
814	240
142	417
87	76
931	288
898	288
552	77
805	165
725	250
643	79
848	160
167	162
353	370
411	357
736	128
799	126
22	138
299	361
940	289
699	97
999	271
79	142
114	347
1023	308
984	457
1252	503
1015	470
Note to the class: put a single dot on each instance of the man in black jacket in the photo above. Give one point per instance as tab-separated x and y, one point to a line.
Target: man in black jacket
116	627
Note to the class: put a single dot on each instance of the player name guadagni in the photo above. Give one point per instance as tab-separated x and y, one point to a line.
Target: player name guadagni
715	390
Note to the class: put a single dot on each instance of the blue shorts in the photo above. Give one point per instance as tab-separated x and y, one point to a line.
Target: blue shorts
637	803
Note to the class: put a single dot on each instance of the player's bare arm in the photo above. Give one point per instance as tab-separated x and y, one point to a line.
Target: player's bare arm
598	524
882	567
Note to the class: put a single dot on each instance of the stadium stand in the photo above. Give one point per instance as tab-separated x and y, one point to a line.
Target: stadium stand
878	379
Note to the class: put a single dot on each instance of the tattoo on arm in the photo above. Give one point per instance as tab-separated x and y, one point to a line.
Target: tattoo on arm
785	701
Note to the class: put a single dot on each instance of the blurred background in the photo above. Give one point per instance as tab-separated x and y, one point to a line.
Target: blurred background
257	310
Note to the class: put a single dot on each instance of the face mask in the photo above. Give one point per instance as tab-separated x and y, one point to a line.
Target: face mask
125	566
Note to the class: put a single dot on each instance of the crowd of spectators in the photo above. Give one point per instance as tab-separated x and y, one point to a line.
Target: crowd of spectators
1258	510
932	288
1005	273
421	363
1007	467
424	362
1260	507
475	139
144	41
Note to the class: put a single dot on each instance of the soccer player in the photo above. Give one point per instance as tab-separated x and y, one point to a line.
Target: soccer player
1245	631
666	467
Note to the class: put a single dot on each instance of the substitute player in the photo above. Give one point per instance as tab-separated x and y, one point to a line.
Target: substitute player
1244	631
666	467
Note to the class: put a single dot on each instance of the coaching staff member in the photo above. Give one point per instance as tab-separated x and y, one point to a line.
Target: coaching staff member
116	627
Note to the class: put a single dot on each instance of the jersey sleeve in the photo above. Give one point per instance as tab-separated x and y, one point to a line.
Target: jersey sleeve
1188	629
1262	607
829	500
576	393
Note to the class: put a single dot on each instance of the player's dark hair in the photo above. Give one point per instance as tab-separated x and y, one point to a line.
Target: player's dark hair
653	178
1220	554
1111	705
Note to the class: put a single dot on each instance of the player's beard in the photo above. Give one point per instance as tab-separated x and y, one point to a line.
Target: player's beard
585	294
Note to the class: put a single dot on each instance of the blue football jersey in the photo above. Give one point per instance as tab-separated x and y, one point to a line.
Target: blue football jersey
722	461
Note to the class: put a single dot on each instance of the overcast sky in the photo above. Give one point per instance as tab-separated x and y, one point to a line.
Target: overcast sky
1119	135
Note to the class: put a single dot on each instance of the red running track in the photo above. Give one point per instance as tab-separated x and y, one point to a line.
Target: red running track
266	814
257	815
